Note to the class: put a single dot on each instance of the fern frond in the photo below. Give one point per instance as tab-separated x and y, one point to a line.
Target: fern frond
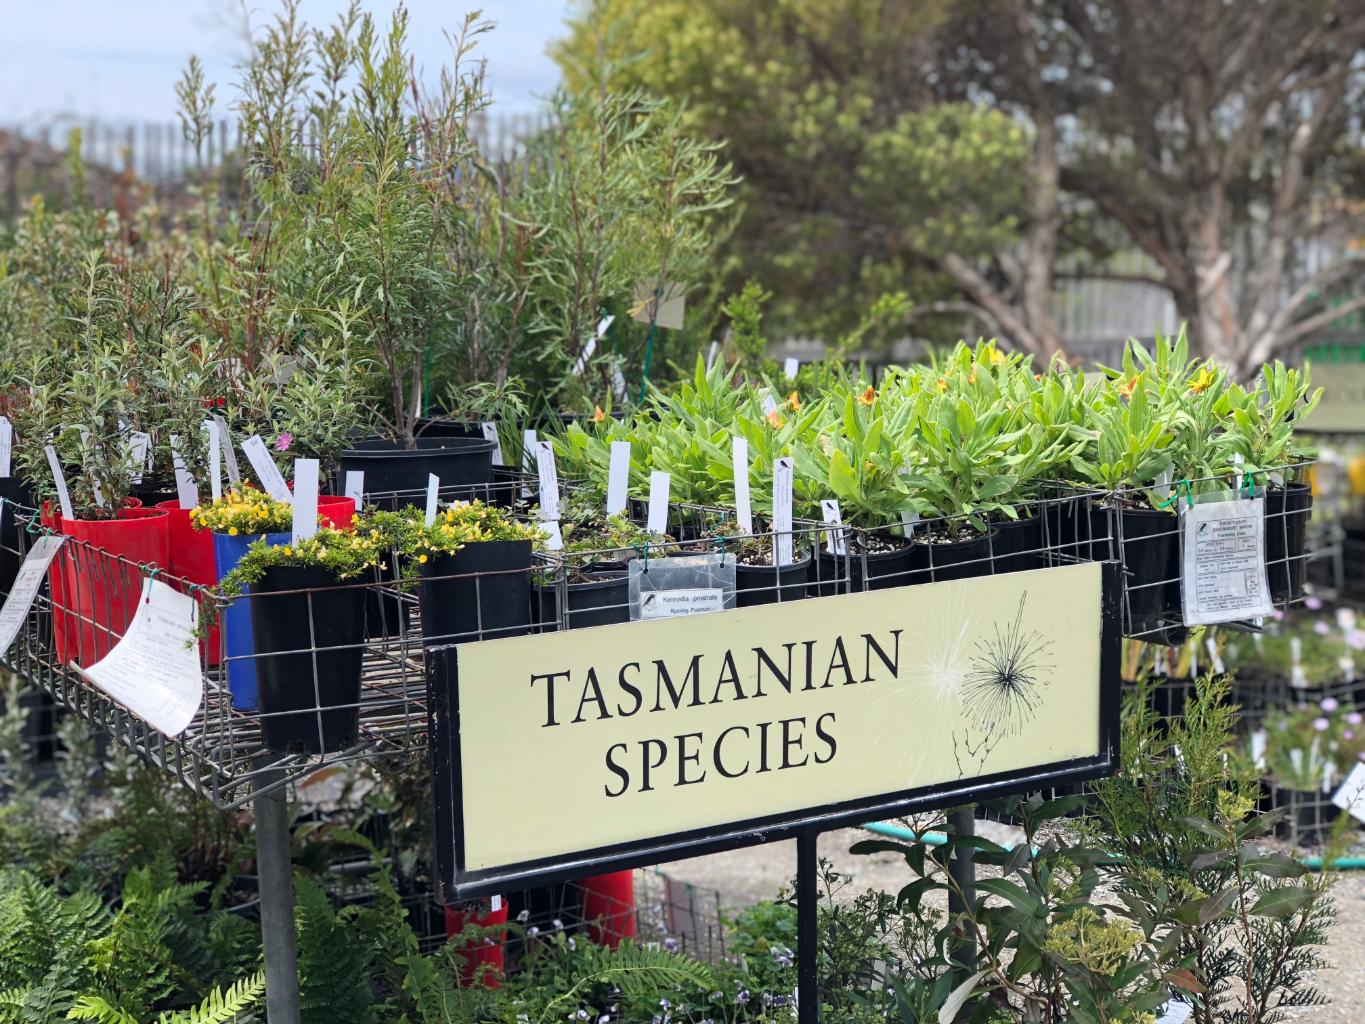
100	1010
220	1007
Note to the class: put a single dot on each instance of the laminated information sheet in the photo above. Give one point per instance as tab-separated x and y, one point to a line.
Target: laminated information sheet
153	670
1223	575
25	589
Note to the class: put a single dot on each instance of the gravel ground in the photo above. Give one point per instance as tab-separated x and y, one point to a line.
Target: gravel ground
746	876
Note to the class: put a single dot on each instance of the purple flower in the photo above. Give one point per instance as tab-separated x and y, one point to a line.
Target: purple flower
1328	704
1348	734
1277	615
1355	717
283	442
1312	603
1321	628
1355	639
1360	756
1321	724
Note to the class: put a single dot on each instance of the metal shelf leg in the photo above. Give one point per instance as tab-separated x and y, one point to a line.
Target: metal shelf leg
275	872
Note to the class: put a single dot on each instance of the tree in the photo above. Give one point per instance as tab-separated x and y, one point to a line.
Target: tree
1213	135
857	180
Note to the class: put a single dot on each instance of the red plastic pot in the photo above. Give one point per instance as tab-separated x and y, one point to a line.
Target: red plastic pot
336	512
486	956
191	558
94	594
609	907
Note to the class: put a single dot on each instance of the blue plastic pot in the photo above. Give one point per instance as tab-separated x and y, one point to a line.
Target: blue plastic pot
237	634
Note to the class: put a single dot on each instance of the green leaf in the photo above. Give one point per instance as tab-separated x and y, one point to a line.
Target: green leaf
1284	900
1013	893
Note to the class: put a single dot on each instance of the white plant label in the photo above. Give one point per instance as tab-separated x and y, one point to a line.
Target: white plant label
1258	742
1223	577
265	469
711	355
26	585
59	478
548	477
234	471
769	402
1347	664
1175	1012
1346	619
355	487
1350	797
591	346
528	459
153	670
139	448
834	543
215	451
494	904
739	456
433	485
909	520
782	511
305	498
6	445
1295	650
1162	487
657	520
490	433
618	476
667	604
554	539
1215	659
185	490
790	367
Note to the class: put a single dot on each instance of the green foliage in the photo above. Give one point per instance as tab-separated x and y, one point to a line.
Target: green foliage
219	1007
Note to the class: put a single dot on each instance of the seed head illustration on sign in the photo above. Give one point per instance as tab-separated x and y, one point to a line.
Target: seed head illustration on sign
625	735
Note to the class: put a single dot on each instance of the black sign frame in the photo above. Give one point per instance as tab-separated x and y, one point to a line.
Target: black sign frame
455	884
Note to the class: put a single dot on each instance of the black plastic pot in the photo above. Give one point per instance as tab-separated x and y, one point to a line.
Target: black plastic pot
17	495
307	666
1148	545
153	492
771	584
952	559
1287	510
835	574
1018	544
482	592
602	601
439	426
456	461
1310	815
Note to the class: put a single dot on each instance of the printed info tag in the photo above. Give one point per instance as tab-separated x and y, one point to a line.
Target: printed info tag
618	476
153	670
26	585
1223	577
266	471
659	484
782	510
1351	796
305	499
59	478
665	604
490	433
834	543
234	472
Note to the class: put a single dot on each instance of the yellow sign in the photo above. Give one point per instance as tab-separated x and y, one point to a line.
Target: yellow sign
578	740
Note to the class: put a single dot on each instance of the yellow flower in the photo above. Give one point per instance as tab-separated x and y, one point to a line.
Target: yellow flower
232	531
794	402
1126	388
869	396
422	559
994	356
943	383
288	551
597	414
971	379
776	420
1202	380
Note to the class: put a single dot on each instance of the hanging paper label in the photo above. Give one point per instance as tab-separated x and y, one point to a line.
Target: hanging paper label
1224	566
782	510
528	459
266	471
739	457
6	445
186	491
490	433
549	481
657	520
1351	796
618	476
355	486
234	472
139	447
305	498
153	670
433	485
790	367
215	452
26	585
834	543
59	478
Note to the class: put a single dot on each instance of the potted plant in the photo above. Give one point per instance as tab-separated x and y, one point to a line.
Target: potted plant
82	408
1261	432
1303	745
307	606
758	577
591	572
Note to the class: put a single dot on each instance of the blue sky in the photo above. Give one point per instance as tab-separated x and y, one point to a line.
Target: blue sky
119	59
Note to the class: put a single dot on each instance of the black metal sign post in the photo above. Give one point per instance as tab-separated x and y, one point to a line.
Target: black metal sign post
456	882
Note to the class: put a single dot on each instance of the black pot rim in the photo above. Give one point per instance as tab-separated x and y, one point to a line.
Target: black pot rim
616	577
803	556
383	448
